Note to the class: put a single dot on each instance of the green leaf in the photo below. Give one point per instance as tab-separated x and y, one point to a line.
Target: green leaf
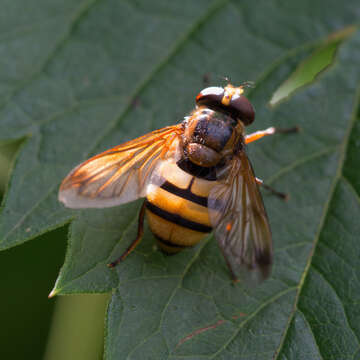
82	77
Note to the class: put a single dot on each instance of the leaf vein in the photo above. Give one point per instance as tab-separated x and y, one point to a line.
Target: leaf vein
322	275
253	314
301	161
310	330
79	13
351	188
176	288
336	179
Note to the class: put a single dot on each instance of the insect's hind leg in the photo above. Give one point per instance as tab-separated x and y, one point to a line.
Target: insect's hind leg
136	241
270	131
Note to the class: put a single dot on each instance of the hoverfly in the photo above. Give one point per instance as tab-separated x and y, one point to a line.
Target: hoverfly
195	177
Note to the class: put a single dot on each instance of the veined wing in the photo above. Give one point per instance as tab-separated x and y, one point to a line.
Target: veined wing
241	225
121	174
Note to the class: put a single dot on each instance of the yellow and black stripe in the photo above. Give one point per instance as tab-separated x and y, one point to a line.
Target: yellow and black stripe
177	209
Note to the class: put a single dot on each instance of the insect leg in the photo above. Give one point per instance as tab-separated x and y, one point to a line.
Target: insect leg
272	190
269	131
136	241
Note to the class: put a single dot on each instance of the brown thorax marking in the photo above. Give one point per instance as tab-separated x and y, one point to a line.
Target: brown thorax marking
210	137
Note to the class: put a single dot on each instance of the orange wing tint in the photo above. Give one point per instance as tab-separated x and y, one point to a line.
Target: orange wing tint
119	175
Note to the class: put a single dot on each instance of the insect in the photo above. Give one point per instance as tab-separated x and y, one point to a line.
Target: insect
195	177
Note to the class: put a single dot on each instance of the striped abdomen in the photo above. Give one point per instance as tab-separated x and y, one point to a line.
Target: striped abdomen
177	209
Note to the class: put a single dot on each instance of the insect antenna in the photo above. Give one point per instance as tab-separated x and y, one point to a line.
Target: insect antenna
248	84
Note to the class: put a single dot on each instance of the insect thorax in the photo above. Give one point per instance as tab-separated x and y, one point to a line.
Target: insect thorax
209	136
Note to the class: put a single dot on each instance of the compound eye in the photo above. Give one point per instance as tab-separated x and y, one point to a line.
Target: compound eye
243	109
210	97
228	101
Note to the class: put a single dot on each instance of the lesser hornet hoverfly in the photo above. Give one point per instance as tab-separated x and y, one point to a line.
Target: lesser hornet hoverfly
195	177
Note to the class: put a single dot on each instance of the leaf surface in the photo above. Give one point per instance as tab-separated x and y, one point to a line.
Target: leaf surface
80	78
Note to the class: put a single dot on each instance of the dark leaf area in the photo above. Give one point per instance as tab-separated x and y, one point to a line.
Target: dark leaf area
77	78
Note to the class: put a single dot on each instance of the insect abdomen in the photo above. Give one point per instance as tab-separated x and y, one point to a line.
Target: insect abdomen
177	209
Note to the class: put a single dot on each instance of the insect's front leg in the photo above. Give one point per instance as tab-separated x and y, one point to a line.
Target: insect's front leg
270	131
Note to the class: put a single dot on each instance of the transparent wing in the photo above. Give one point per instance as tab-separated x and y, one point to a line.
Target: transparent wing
241	226
121	174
